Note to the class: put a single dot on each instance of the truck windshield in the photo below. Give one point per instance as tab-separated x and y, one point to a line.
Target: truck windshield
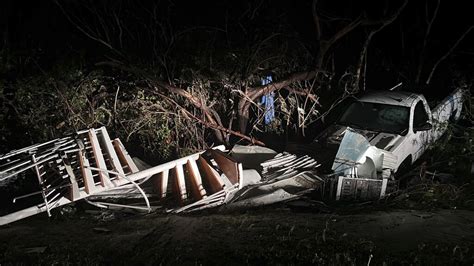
377	117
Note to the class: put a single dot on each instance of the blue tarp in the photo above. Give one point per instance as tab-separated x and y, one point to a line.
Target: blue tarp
269	102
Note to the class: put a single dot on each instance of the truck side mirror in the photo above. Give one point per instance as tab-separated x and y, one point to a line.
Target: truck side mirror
423	127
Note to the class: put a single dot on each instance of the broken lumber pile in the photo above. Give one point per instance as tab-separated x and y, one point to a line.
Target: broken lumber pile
90	165
64	169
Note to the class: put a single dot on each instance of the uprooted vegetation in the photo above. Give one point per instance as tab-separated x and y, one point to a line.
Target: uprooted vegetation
170	89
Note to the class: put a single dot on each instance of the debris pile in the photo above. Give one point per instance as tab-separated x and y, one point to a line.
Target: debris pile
283	178
89	165
68	169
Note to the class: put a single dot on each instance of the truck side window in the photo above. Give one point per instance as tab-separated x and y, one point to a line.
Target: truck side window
420	115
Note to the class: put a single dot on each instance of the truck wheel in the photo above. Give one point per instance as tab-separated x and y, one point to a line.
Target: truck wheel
404	167
402	170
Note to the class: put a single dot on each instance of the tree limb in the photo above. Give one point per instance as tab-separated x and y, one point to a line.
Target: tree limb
255	92
447	54
425	39
214	125
384	23
252	93
324	45
342	32
195	101
316	20
88	34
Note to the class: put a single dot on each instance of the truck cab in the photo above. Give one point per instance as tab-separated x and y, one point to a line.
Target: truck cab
389	130
397	122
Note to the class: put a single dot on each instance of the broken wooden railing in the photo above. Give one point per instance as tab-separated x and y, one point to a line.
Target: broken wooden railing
88	163
62	168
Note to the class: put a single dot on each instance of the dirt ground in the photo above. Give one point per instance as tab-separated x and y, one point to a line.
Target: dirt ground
282	234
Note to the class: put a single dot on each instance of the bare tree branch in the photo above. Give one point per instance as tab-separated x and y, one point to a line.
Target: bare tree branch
214	125
89	33
447	54
324	45
316	20
384	23
430	22
195	101
253	93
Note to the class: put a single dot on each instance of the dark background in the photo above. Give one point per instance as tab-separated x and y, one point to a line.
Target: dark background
40	29
240	40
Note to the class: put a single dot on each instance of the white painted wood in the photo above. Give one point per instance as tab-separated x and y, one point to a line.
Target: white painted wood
99	159
89	184
339	187
111	151
84	194
384	188
164	183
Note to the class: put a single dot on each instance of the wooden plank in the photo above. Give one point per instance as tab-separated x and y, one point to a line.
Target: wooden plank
89	184
195	179
99	159
123	156
114	160
240	172
227	165
74	188
180	184
211	176
160	183
91	189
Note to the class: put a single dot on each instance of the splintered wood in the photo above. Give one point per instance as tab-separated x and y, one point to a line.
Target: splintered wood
89	163
63	169
198	181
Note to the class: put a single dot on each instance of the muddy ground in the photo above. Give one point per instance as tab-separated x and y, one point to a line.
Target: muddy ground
296	233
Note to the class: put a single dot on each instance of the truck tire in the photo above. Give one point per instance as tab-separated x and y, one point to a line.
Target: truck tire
401	174
404	167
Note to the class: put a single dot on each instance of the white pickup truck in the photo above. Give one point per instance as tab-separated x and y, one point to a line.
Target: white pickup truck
382	133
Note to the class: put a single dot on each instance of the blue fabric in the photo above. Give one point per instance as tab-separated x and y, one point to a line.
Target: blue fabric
269	102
